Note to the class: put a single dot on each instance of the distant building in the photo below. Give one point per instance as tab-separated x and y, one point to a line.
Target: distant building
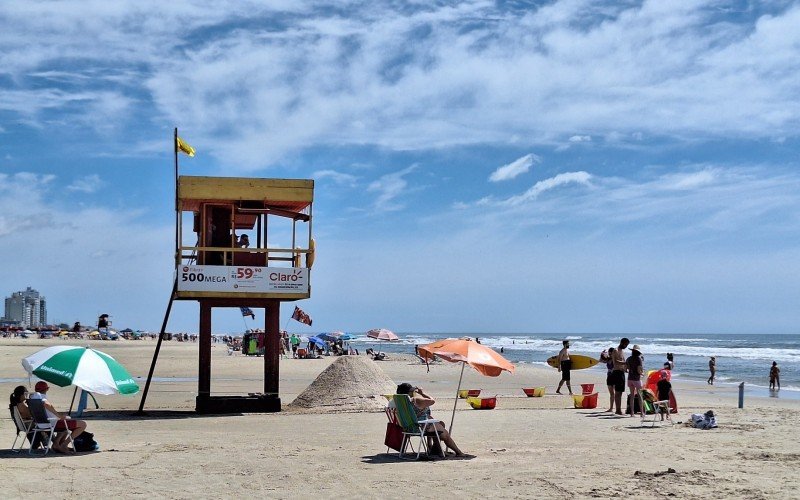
28	309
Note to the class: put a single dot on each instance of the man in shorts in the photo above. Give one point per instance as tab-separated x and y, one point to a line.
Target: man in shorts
618	373
564	366
65	423
295	341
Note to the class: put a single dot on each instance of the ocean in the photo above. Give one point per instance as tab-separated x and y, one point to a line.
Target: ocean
740	358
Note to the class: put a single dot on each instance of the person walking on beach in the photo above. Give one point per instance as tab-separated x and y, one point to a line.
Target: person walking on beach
564	366
635	371
295	341
712	368
618	373
774	376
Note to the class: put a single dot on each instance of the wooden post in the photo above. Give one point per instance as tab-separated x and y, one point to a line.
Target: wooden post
272	356
204	369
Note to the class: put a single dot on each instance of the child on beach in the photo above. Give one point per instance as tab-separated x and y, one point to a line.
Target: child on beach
664	388
774	376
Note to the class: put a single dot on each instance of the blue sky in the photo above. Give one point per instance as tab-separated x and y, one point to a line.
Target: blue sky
567	166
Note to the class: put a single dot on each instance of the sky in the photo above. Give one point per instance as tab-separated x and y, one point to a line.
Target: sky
511	167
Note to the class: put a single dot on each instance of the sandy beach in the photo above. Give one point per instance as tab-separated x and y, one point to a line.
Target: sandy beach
525	448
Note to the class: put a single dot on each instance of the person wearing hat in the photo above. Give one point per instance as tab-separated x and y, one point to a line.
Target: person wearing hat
65	423
422	406
635	371
712	368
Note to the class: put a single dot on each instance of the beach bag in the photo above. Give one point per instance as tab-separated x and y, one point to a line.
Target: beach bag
394	436
85	442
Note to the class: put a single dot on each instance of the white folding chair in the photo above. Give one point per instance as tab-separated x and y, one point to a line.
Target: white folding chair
658	407
23	429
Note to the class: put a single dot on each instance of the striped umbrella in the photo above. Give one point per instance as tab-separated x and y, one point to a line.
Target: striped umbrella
91	370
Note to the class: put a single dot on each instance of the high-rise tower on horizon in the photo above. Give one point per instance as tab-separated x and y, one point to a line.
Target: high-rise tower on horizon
28	308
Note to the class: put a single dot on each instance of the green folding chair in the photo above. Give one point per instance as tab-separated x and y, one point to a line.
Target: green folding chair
413	426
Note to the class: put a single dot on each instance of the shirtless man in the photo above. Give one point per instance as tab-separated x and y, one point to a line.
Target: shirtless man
712	368
564	366
618	373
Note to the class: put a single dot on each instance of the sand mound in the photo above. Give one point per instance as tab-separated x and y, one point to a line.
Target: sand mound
351	383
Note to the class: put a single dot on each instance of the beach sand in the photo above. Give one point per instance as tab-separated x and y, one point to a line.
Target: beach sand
525	448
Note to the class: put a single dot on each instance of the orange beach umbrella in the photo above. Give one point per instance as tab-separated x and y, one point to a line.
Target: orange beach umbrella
467	351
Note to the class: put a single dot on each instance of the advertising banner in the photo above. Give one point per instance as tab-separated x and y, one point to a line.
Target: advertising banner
244	279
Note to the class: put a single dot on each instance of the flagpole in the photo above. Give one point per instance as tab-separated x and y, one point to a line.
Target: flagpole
177	213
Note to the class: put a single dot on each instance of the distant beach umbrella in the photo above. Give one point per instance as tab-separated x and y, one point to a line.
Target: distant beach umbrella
89	369
382	334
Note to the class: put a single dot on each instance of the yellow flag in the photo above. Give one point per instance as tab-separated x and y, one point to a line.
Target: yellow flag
185	148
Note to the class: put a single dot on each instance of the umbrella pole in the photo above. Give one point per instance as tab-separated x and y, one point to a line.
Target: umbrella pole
73	401
453	416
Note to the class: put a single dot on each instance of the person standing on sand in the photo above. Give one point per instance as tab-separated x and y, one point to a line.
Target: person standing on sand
774	376
295	341
635	371
618	373
712	368
564	366
606	357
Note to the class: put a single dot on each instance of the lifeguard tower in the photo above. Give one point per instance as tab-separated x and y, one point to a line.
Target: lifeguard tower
212	268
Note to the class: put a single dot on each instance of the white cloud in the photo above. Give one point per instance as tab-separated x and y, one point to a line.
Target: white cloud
337	177
408	79
88	184
515	168
389	187
580	138
580	178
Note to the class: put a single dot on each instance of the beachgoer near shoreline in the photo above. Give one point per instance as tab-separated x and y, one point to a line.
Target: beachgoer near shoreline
774	376
670	363
712	368
618	373
295	341
422	404
606	357
635	371
564	366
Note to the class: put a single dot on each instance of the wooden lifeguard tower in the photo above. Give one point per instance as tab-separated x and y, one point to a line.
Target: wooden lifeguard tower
212	268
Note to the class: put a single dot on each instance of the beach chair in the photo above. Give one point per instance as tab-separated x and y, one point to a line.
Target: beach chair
42	424
657	407
413	426
23	428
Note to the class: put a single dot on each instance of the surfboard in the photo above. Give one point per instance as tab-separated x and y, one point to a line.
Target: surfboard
579	362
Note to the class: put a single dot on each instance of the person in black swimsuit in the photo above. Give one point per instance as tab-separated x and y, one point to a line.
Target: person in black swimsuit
564	366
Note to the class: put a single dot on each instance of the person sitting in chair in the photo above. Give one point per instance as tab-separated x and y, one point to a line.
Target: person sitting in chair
65	423
422	406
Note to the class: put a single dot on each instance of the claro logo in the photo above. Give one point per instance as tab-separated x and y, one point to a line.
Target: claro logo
294	276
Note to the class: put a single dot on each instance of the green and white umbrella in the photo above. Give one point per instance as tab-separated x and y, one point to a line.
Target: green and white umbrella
91	370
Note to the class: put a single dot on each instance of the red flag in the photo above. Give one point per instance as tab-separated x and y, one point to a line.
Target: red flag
301	316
